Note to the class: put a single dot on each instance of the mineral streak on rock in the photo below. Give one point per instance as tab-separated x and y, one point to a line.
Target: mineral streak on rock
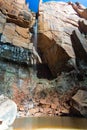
61	33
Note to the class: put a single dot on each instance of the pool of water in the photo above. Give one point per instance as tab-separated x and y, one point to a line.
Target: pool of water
50	123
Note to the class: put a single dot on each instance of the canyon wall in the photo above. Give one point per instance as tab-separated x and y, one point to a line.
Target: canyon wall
15	37
62	44
62	41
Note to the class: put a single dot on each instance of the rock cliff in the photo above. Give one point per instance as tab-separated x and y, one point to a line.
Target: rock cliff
62	44
15	22
62	41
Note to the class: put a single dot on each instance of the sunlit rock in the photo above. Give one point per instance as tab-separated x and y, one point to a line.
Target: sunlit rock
15	21
8	112
56	24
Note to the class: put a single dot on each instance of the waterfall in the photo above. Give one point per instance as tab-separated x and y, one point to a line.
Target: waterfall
33	68
35	47
35	34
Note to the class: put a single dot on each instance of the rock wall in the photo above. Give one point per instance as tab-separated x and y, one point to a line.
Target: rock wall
15	37
16	48
62	35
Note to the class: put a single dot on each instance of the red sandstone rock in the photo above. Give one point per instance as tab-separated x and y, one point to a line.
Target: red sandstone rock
16	19
57	21
33	111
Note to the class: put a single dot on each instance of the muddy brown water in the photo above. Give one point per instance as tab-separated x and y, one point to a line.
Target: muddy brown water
50	123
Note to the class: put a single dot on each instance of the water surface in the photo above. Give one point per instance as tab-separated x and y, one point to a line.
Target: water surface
50	123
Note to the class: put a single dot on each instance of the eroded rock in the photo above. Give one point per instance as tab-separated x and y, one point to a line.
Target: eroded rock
83	26
79	102
57	22
80	46
16	23
15	36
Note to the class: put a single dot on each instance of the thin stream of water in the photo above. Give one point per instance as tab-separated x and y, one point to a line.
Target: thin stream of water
33	70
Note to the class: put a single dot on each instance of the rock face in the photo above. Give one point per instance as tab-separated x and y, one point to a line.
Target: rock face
62	45
15	21
79	102
61	34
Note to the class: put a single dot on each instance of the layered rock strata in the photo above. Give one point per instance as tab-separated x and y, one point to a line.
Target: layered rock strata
62	35
15	37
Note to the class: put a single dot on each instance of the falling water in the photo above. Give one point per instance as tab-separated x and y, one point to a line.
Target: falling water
33	69
35	34
35	45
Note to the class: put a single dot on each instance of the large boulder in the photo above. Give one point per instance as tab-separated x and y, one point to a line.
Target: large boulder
8	112
79	102
80	48
56	23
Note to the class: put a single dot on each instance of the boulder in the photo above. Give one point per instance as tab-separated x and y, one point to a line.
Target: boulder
79	102
8	112
80	46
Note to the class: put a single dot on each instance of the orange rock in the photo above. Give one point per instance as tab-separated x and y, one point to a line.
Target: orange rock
38	114
54	106
24	32
45	106
21	108
41	110
46	110
44	101
34	110
15	15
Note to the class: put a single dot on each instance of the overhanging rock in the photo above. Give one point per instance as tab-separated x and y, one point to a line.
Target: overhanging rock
56	23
